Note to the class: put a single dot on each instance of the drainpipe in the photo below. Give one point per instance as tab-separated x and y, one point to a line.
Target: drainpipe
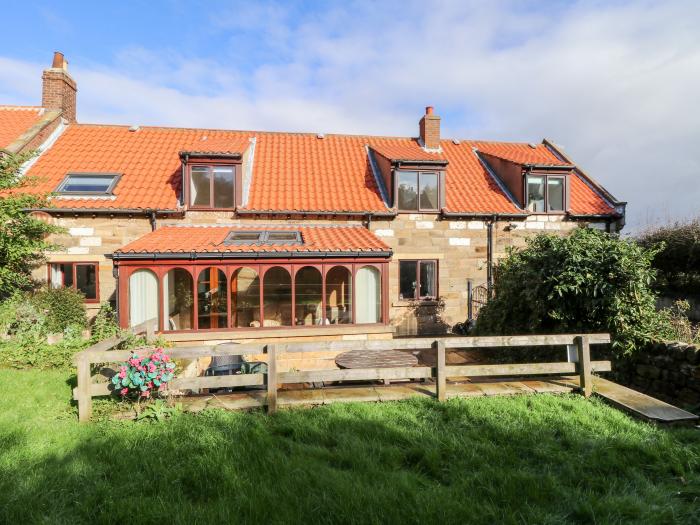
489	255
152	220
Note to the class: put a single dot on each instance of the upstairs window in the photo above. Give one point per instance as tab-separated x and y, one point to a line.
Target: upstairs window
88	184
212	187
418	190
546	193
81	276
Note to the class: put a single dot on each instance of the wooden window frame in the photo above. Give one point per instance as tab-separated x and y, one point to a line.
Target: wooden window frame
260	266
546	177
417	296
419	172
210	168
75	275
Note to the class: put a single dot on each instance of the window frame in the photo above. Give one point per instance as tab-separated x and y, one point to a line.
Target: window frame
212	198
75	265
263	238
546	177
417	296
419	173
116	177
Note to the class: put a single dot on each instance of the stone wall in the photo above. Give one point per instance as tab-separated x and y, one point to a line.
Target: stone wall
459	246
667	371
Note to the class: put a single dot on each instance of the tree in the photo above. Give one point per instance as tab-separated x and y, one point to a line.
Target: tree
22	236
587	282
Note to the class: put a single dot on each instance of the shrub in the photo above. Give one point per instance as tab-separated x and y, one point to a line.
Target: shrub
589	282
678	261
62	308
139	377
104	324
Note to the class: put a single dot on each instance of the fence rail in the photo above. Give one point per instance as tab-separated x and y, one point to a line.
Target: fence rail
584	367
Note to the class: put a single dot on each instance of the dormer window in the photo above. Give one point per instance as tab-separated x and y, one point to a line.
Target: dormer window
212	186
545	193
88	184
417	190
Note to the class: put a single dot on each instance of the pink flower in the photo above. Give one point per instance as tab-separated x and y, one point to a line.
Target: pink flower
122	374
124	391
151	367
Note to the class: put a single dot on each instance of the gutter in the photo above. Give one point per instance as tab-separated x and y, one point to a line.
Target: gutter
244	255
317	212
482	215
109	211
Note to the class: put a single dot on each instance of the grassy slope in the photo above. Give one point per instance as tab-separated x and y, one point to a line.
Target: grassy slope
539	459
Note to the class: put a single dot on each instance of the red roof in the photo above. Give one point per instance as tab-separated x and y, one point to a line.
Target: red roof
15	121
290	171
210	239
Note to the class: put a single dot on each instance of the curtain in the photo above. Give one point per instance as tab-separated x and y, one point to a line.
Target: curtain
56	276
143	297
368	295
166	299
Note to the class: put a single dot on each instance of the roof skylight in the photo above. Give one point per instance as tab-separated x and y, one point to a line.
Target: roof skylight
88	184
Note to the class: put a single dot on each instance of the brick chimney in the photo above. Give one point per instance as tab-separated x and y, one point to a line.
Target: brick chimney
430	130
58	88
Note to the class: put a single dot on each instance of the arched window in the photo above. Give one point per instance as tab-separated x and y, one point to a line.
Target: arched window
368	284
277	293
212	295
339	295
308	296
178	300
143	297
245	298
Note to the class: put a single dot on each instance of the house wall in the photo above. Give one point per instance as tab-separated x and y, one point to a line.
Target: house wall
458	245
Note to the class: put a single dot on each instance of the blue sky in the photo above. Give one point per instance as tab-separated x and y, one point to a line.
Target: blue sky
615	82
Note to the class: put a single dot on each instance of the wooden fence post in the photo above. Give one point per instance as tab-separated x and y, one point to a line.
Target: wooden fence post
271	378
84	396
584	365
441	383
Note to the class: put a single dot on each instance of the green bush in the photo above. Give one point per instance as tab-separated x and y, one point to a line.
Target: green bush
587	282
104	325
62	308
678	262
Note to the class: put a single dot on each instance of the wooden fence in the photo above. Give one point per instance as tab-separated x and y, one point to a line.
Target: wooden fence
101	353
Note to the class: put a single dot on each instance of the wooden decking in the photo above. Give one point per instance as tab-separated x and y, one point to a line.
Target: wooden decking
394	392
638	404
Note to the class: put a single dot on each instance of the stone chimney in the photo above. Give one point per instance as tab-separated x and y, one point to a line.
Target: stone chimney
430	130
58	88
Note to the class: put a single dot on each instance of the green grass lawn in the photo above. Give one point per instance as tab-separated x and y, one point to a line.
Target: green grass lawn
537	459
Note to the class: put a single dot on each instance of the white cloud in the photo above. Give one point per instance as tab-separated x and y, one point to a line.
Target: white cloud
615	83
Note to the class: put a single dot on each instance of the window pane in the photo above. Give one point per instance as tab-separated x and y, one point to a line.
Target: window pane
535	194
212	301
61	275
67	270
555	193
277	291
87	184
408	190
339	296
223	187
86	280
429	191
428	279
245	297
199	188
369	296
280	236
407	279
143	297
178	300
308	292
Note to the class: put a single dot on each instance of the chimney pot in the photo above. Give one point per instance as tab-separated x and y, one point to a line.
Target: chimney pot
59	61
428	110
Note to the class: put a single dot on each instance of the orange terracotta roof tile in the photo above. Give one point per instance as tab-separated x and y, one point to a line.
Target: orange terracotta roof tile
584	200
406	149
290	171
521	153
15	120
210	239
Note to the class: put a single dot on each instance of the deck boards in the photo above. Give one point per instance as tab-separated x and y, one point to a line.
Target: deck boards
638	404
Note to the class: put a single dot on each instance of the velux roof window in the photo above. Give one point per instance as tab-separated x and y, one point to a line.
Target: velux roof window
88	184
263	237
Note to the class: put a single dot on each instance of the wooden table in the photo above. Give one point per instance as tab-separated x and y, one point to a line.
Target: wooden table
375	359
